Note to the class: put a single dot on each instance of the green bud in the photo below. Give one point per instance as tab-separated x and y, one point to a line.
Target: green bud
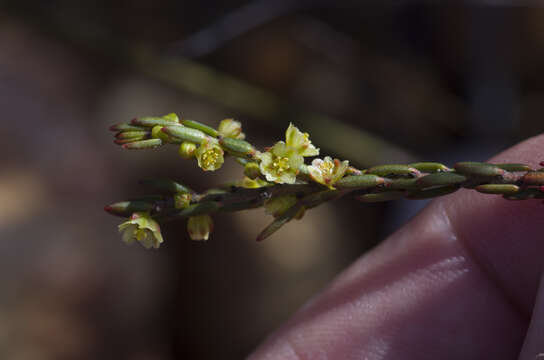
252	170
199	227
187	150
199	126
158	134
231	128
171	117
182	200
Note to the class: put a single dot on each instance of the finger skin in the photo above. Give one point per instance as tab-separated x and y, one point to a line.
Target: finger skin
533	347
457	282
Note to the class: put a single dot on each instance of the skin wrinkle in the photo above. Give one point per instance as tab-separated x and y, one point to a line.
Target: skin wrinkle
485	268
438	227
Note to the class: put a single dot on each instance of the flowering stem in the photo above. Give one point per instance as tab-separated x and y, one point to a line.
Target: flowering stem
279	180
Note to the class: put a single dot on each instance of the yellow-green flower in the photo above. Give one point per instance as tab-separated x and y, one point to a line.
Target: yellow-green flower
327	171
199	227
209	156
300	142
278	205
231	128
142	228
280	163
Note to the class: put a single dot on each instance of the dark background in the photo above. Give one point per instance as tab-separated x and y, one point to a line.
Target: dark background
371	81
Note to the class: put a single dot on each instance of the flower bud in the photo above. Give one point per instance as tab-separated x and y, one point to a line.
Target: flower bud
158	134
231	128
187	149
182	200
199	227
252	170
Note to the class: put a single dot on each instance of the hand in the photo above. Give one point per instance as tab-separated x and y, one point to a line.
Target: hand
459	281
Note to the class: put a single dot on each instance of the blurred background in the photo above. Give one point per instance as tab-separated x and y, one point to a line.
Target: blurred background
371	81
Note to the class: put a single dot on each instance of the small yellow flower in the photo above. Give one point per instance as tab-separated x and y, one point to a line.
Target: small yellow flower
199	227
231	128
142	228
209	156
300	141
279	205
327	171
280	164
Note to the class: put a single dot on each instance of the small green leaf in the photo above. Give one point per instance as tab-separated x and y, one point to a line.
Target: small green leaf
202	127
143	144
393	170
132	134
441	179
237	147
186	134
359	182
279	222
153	121
500	189
126	208
514	167
430	167
478	169
125	127
401	184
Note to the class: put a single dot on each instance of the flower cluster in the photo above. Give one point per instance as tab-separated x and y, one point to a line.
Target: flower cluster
280	165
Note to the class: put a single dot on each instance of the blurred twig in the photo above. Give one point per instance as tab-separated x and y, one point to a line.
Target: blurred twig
346	141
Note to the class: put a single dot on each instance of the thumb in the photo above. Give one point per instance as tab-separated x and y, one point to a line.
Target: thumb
457	282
